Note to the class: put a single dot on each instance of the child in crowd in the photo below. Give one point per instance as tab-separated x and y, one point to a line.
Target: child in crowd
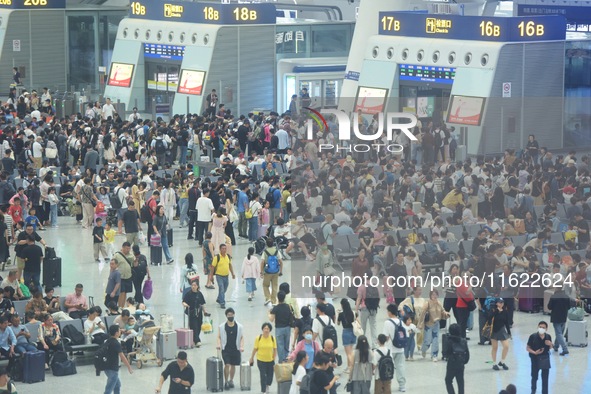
16	210
53	204
109	237
98	240
251	270
33	220
411	329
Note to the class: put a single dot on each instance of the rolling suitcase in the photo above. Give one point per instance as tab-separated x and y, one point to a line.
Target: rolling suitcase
214	374
576	334
444	339
530	299
283	387
156	255
169	237
166	345
547	295
34	367
245	376
52	272
184	338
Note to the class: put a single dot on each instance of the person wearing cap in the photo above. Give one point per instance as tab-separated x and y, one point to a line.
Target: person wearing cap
501	332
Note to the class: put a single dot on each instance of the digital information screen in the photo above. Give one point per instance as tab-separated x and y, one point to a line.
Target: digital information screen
191	82
120	75
466	110
415	73
578	18
168	52
370	100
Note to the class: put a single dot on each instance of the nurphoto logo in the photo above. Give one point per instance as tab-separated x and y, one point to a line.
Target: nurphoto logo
390	126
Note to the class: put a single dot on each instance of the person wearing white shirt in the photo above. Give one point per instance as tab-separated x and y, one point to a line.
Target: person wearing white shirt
205	211
168	200
283	138
46	95
390	327
37	153
317	327
134	116
108	110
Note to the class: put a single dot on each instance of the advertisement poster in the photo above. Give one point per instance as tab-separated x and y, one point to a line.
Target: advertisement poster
371	100
425	107
120	75
191	82
466	110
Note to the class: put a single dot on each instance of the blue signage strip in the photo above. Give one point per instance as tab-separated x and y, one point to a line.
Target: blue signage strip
578	19
210	13
352	75
417	73
456	27
32	4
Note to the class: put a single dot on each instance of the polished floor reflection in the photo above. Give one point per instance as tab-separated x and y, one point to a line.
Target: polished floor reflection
569	375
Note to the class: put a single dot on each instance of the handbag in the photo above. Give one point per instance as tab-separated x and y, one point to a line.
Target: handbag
155	240
357	329
141	238
51	153
147	290
349	387
233	215
487	330
543	361
283	371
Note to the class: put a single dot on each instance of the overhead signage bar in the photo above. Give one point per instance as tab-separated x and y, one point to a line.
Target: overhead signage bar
210	13
32	4
578	17
456	27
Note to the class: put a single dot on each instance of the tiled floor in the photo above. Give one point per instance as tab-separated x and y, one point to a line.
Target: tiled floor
569	375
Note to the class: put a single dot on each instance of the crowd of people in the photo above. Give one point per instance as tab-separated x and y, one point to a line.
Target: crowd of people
270	186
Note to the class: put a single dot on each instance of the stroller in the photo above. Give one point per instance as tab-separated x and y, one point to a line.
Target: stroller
144	351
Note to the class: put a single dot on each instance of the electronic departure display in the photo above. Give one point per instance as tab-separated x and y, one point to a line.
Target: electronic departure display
219	14
578	18
32	4
159	51
410	72
456	27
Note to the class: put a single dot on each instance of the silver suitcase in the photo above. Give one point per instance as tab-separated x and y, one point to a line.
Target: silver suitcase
245	376
577	333
461	154
166	347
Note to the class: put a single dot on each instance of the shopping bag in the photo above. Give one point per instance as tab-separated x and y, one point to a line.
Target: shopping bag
147	291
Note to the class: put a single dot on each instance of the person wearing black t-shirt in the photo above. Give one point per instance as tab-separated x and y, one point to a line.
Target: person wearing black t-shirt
21	243
321	381
582	228
114	354
194	304
301	324
181	373
346	317
538	347
330	311
283	317
231	342
33	256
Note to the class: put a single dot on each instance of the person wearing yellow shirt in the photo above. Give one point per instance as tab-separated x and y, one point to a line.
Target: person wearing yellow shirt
265	348
110	240
453	198
221	267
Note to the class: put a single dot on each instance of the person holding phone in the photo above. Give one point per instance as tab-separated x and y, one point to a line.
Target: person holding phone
182	376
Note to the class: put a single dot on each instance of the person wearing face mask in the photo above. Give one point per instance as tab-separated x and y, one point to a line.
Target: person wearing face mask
231	343
538	347
308	345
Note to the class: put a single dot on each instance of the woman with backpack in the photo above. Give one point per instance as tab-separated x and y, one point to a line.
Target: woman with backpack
362	373
265	349
346	317
299	371
188	273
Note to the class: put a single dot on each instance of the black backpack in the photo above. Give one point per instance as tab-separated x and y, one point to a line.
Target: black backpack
271	197
372	298
459	350
429	199
115	200
75	336
101	357
328	332
385	366
159	147
320	238
306	383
